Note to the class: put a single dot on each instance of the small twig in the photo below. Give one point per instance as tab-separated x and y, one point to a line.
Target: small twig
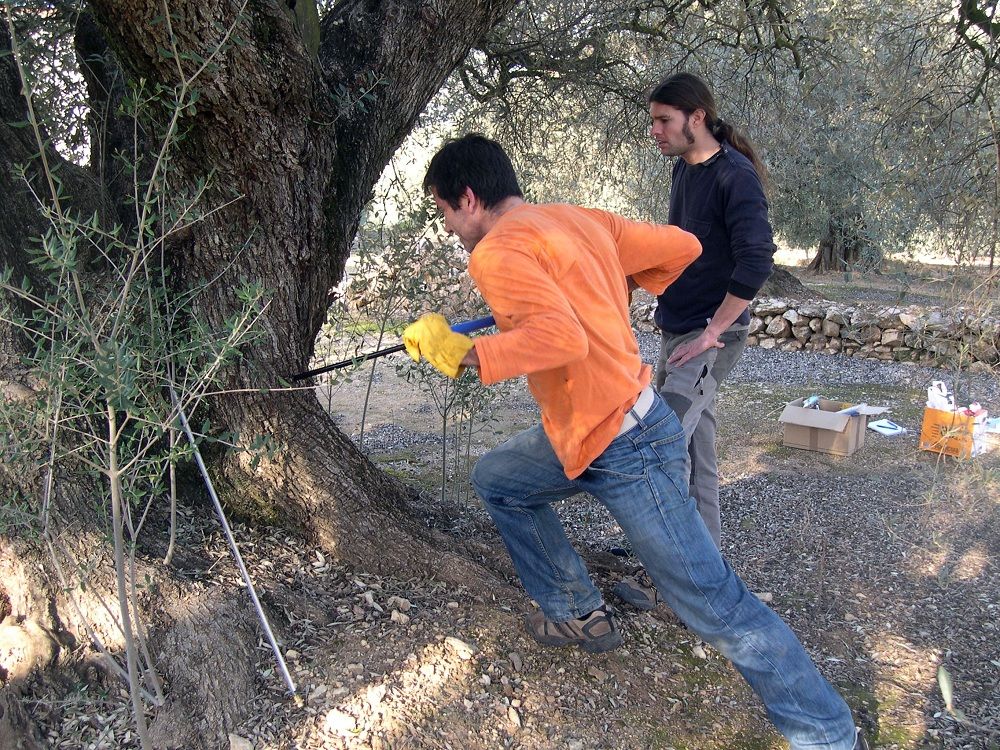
117	528
94	638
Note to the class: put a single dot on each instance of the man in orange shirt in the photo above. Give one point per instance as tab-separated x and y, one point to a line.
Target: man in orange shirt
557	278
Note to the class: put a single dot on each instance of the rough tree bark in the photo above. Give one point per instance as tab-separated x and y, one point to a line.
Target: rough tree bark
273	128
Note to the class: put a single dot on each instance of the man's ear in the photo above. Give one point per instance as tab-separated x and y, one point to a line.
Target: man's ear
468	199
698	117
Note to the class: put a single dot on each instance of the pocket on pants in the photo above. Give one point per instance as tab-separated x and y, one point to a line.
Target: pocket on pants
669	448
667	468
689	378
630	455
621	459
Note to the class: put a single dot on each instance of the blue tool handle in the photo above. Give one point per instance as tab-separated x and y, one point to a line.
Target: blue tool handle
474	325
465	327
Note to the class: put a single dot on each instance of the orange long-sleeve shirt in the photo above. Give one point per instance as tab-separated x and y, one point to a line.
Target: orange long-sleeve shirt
555	278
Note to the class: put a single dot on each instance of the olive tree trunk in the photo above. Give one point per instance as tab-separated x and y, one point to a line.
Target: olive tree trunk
846	246
294	159
278	125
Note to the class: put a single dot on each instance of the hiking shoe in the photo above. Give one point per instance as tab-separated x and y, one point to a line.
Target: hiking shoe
595	633
861	743
638	590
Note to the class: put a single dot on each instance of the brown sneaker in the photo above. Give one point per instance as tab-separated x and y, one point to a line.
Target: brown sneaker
595	633
638	590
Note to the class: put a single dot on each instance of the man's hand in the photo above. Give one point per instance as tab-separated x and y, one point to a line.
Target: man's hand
432	338
691	349
727	314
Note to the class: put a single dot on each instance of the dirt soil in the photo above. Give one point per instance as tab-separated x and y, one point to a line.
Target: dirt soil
885	563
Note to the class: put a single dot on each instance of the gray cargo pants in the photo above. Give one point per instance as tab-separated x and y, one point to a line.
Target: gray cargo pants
690	391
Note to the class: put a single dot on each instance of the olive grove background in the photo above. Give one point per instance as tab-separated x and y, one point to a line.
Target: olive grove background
184	183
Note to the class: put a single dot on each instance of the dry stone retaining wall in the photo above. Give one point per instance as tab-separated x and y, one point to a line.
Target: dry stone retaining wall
915	335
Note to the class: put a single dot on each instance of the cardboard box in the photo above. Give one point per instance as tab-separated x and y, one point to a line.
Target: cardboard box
952	434
823	429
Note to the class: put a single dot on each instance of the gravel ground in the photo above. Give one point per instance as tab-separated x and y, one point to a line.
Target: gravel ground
884	563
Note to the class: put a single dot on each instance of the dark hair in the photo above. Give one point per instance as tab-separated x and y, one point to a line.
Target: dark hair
472	161
687	92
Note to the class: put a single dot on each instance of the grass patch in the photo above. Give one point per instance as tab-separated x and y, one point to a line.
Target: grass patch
668	738
890	735
777	450
871	711
366	327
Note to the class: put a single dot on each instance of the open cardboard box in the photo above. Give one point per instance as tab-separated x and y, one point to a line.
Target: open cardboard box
823	429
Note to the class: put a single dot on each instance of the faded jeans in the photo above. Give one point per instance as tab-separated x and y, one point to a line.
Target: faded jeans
690	391
641	478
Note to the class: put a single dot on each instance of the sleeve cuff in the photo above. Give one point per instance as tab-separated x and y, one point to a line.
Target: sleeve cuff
488	374
743	291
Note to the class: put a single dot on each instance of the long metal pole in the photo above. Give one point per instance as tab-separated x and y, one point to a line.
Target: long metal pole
232	546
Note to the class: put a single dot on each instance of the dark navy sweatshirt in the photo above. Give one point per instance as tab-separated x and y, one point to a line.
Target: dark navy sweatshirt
722	202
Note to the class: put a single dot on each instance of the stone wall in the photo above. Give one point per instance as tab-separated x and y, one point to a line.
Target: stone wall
953	338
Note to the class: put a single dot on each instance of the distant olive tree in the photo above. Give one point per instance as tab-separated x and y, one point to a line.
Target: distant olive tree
877	122
894	143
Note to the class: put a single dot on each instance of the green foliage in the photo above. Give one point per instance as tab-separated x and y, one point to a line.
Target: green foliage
356	95
114	352
405	265
870	111
110	337
52	74
110	334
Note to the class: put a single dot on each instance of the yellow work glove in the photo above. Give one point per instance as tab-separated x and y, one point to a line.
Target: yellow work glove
432	338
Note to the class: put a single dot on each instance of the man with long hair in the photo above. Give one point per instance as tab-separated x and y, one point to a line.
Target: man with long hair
717	194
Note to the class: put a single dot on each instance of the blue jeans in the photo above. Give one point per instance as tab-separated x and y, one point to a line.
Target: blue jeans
641	478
